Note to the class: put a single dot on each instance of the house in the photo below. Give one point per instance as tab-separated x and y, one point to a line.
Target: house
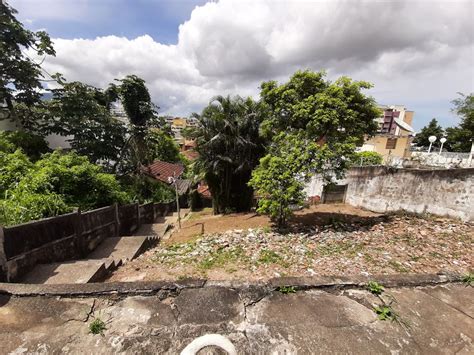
395	133
164	172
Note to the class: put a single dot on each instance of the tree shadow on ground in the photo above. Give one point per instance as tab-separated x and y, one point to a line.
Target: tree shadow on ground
336	220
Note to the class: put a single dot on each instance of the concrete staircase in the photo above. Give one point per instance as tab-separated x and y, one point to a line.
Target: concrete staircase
109	255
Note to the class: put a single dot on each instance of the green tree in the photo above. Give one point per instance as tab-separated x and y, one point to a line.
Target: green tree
32	145
20	76
314	125
459	139
161	146
229	147
81	113
432	129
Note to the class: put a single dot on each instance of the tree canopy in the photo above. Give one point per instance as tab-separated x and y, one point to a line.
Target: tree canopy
19	75
432	129
314	126
229	146
459	139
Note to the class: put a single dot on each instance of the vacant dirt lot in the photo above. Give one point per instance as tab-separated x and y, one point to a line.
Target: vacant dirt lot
322	240
204	222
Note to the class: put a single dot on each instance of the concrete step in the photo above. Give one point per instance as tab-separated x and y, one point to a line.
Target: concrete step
79	271
120	248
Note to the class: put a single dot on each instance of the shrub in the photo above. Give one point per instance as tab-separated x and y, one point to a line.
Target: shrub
32	145
22	206
366	158
81	183
13	168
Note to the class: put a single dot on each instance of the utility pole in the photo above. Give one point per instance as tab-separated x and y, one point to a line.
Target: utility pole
173	180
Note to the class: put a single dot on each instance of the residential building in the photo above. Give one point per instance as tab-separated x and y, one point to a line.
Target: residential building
395	133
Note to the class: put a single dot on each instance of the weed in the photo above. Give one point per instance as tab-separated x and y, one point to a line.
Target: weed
286	289
468	279
269	257
386	312
97	326
375	288
222	257
266	229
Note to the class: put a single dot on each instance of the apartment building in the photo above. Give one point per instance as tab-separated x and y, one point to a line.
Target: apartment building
395	134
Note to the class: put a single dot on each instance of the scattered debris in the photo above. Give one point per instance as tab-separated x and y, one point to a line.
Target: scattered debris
390	245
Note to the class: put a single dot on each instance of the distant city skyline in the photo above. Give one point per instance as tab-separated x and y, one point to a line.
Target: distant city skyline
418	54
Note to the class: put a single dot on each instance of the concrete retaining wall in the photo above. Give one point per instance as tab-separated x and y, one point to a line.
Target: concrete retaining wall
69	237
448	192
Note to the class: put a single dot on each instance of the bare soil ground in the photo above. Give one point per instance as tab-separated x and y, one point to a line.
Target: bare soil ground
204	222
322	240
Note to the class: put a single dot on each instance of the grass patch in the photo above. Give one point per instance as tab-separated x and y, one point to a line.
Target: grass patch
97	326
269	257
286	289
375	288
222	257
343	247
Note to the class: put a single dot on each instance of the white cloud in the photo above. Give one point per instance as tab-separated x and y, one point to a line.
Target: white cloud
415	52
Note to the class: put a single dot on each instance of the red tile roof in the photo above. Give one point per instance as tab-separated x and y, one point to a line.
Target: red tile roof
162	170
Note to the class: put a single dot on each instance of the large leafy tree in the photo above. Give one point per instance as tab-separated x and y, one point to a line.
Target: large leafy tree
460	138
229	147
20	76
431	129
81	113
314	125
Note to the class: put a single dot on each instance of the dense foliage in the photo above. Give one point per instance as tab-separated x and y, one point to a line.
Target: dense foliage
55	184
32	145
229	147
19	75
460	138
314	125
432	129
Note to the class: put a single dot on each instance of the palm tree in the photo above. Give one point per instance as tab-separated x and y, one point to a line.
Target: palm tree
229	146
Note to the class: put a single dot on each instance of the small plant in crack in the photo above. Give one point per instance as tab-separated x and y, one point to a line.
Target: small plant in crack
97	326
375	288
385	312
468	279
286	289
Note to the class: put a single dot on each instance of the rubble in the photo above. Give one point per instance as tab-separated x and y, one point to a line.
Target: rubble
398	244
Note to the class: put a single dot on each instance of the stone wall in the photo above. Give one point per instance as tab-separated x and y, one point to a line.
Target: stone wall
448	192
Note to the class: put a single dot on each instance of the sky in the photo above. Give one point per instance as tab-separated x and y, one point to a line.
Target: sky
419	53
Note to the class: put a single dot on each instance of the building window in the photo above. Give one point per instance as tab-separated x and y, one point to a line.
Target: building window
391	143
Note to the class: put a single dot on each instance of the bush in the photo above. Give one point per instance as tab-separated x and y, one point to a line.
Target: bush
81	183
22	206
32	145
13	168
366	158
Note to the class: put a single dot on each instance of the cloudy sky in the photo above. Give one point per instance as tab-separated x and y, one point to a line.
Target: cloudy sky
416	53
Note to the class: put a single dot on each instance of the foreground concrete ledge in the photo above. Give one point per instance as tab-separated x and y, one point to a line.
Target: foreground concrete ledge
154	287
